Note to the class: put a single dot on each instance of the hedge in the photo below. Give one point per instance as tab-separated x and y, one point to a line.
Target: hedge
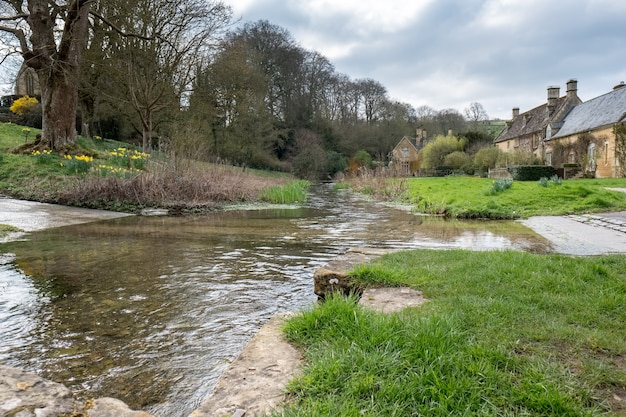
531	172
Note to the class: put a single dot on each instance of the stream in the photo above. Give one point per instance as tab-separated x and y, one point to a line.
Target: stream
151	310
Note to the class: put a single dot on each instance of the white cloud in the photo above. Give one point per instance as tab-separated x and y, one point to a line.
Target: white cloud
365	15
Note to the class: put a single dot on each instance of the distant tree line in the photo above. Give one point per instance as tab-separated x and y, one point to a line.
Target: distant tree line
169	75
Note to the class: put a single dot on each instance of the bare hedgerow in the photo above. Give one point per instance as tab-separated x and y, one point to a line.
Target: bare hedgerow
194	187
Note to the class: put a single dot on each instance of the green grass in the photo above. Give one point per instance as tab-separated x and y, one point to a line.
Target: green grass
292	192
5	229
504	334
468	197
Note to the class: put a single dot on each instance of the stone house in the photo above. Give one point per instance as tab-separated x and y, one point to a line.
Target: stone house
405	155
527	131
592	135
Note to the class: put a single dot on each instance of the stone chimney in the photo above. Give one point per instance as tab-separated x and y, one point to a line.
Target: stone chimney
515	112
572	88
553	99
620	85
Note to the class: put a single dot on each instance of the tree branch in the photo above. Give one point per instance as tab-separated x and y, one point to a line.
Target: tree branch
118	29
19	34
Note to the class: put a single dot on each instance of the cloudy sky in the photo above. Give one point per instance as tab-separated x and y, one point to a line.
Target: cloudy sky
450	53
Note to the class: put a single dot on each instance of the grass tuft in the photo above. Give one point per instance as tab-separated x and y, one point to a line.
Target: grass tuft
292	192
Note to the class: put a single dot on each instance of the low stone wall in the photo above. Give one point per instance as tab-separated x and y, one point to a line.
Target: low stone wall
499	173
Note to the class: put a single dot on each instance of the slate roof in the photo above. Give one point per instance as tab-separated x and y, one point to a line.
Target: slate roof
605	110
532	121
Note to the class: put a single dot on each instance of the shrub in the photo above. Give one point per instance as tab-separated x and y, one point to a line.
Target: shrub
435	152
23	105
363	159
457	160
531	172
487	158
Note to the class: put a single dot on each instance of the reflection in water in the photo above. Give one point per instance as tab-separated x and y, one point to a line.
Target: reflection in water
152	310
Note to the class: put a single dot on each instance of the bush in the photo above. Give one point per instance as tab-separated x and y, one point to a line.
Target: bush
487	158
363	159
531	172
457	160
435	152
311	163
23	105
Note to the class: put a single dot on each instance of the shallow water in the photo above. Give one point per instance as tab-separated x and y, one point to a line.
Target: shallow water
151	310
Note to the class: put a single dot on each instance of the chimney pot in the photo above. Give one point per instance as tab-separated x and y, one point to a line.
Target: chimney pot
572	87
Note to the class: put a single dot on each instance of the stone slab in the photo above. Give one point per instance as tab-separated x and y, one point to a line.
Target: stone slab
391	300
254	384
30	216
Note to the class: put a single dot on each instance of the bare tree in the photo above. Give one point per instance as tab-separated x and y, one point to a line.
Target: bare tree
51	36
475	115
374	96
153	70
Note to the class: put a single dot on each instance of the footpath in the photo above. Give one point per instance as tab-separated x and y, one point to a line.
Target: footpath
254	383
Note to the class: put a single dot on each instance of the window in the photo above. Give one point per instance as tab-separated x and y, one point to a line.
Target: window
549	158
591	152
405	152
571	157
606	153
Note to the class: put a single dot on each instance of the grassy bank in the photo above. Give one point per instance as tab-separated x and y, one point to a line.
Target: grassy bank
471	197
504	333
100	173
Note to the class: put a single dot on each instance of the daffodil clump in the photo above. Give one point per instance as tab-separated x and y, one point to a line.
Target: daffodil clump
78	164
120	172
42	157
128	158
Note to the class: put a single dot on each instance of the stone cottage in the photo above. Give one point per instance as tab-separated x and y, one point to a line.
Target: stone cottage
405	155
527	131
593	135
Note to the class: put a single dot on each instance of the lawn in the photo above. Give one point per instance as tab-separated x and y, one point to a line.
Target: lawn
471	197
504	334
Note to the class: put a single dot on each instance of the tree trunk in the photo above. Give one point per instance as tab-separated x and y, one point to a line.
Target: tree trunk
56	57
59	99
